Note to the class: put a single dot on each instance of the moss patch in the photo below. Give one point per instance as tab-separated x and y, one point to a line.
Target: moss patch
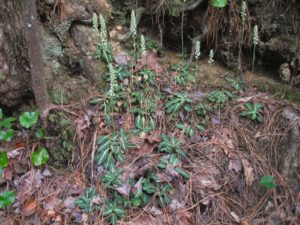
62	147
279	90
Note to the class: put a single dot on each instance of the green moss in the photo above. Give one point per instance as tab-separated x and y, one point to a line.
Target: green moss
60	98
279	90
63	146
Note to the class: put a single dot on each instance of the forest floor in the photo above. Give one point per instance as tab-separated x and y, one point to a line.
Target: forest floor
172	148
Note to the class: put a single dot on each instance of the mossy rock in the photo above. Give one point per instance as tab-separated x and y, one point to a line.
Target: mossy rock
279	90
62	146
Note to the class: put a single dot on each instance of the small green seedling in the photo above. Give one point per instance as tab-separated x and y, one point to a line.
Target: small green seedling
6	131
121	72
87	201
114	211
183	75
164	192
220	97
138	97
6	135
148	76
28	119
112	179
187	129
148	188
143	125
40	157
3	162
253	111
170	145
151	44
234	83
172	160
7	123
268	182
112	148
7	198
177	102
202	109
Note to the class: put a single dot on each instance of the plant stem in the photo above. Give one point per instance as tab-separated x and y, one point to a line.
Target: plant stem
182	21
241	40
196	67
254	47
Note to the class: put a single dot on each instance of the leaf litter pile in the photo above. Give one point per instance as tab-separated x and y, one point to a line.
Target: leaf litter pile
157	151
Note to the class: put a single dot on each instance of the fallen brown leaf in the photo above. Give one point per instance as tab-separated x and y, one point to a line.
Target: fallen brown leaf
248	172
51	202
30	207
147	149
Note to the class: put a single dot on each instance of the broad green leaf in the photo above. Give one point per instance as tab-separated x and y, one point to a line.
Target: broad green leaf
28	119
149	188
268	182
167	188
7	198
174	159
119	211
6	135
136	202
189	131
103	140
113	219
85	201
95	101
3	159
219	3
7	123
183	173
138	194
120	156
181	126
107	212
200	127
40	157
109	164
188	108
102	156
152	123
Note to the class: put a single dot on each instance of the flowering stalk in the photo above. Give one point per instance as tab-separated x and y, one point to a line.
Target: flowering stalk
241	34
197	53
103	31
106	49
211	56
133	31
255	43
244	11
96	34
143	45
95	27
113	82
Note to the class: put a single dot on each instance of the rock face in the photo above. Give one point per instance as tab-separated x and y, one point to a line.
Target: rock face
14	69
222	29
67	47
279	38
